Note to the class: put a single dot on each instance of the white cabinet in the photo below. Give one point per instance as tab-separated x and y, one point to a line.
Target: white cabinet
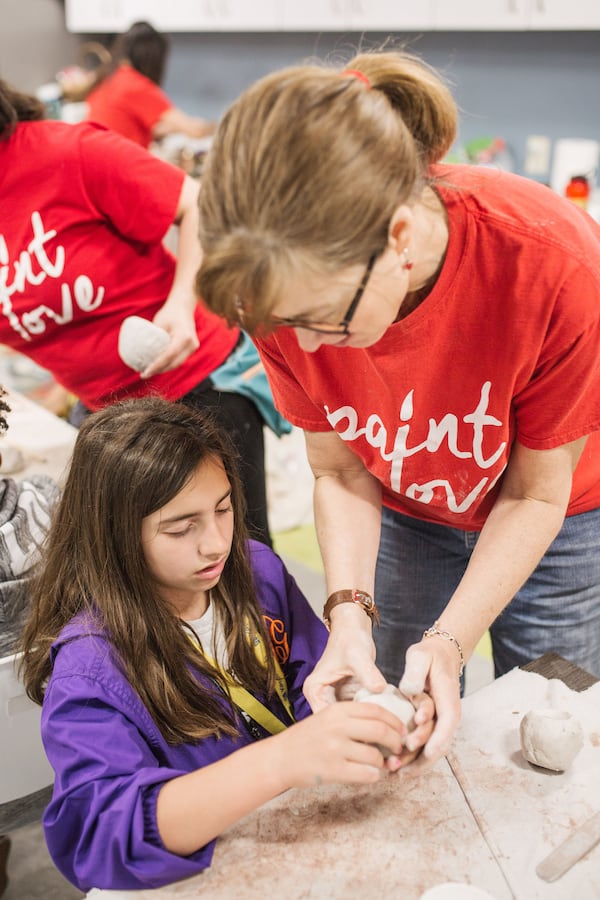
515	15
96	15
333	15
315	15
480	15
390	15
561	15
175	15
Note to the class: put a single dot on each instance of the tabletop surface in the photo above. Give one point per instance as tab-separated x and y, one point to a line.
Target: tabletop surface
471	819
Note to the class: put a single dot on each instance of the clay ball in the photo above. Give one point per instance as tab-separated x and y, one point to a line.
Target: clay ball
140	342
550	738
392	699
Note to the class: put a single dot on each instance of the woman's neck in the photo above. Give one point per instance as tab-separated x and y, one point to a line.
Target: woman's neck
428	244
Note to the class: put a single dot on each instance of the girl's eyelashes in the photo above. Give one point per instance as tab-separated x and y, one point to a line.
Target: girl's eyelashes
224	509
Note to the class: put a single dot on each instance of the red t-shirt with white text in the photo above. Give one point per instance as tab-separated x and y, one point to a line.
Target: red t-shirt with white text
505	347
83	214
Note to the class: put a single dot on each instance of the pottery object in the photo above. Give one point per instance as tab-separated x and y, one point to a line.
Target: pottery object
550	738
140	342
11	460
392	699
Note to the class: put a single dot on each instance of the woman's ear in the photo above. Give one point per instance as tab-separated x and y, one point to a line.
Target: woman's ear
400	229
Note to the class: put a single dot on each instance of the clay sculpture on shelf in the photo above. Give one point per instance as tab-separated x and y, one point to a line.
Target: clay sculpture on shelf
140	342
550	738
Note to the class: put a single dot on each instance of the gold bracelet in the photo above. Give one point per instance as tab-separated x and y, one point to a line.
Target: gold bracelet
447	636
361	598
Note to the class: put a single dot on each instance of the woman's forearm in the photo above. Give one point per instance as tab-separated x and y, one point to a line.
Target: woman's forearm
510	546
347	511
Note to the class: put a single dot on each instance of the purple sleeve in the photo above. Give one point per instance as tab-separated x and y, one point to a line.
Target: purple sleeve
100	825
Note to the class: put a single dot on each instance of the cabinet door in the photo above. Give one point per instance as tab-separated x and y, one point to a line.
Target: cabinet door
480	15
385	15
96	16
316	15
560	15
175	15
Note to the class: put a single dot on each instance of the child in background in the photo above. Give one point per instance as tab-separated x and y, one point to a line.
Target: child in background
130	101
150	599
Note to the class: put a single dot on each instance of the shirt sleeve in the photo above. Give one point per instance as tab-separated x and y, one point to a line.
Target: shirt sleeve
561	401
289	396
137	193
100	825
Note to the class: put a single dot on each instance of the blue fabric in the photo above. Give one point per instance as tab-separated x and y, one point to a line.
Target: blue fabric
238	375
110	760
558	609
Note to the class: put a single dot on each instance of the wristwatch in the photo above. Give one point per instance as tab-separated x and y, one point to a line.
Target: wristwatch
363	599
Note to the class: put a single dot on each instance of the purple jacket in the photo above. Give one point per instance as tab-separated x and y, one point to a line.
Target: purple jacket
110	760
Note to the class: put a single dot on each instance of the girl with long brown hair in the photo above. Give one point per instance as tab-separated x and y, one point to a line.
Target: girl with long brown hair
164	646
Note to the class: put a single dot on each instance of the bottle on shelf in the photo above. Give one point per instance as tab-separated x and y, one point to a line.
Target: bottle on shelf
578	190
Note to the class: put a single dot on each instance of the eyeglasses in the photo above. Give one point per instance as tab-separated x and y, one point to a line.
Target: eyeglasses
342	328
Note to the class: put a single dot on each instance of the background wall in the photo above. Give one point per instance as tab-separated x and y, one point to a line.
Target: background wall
508	84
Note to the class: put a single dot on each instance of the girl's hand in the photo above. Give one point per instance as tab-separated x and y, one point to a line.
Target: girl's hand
338	745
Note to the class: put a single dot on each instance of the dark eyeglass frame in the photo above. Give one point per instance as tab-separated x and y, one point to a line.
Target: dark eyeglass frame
342	328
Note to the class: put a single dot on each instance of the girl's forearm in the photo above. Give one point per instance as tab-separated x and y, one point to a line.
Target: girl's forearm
194	809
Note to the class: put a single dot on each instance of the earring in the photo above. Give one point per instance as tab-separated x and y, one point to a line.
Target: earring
408	264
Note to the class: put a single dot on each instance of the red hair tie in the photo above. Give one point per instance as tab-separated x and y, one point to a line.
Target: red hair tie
354	73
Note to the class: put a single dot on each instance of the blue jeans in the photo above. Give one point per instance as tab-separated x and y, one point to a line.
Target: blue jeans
558	609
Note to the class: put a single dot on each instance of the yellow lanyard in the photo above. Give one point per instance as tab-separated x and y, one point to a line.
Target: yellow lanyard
247	702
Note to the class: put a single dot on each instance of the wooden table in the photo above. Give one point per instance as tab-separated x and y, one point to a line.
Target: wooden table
391	840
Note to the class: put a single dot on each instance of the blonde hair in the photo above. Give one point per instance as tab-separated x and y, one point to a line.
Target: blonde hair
306	170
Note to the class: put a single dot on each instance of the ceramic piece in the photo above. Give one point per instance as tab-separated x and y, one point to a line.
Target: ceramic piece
550	738
392	699
140	342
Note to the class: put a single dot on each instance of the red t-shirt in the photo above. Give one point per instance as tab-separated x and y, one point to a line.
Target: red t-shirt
83	213
129	103
506	346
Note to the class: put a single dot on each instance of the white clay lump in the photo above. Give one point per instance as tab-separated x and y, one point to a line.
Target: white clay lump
140	342
392	699
550	738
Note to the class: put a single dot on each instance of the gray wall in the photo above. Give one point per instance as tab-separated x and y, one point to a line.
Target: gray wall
508	84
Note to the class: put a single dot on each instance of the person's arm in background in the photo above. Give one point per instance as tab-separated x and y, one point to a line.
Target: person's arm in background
347	508
524	521
177	313
175	121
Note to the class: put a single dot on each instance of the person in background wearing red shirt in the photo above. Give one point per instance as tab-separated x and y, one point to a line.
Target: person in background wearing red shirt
84	215
435	330
129	99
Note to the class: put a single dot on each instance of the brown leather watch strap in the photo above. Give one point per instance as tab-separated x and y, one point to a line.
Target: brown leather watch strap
364	600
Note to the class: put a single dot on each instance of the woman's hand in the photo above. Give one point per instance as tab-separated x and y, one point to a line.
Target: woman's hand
347	663
432	666
178	321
